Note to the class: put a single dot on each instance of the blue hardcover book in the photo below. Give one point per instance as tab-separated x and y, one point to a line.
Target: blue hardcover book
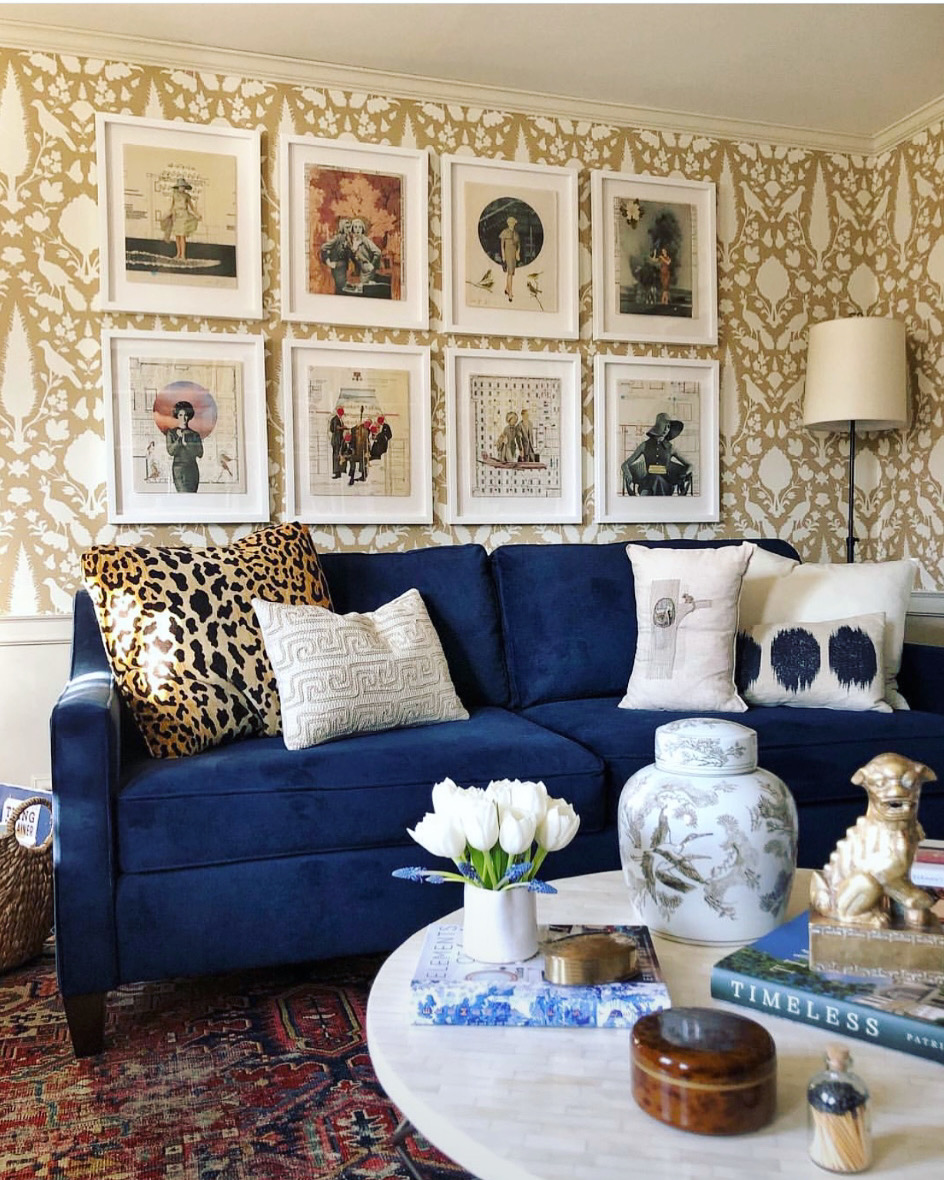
451	988
34	823
774	976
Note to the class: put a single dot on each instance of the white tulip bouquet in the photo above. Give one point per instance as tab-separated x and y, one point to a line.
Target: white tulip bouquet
497	837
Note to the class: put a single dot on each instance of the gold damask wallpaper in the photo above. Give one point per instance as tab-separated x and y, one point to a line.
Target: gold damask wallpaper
803	235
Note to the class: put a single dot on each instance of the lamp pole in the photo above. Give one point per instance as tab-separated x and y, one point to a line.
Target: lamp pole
851	537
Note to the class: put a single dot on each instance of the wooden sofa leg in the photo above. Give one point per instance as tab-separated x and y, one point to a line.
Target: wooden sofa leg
85	1016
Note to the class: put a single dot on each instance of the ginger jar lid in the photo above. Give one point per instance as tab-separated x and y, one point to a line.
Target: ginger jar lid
705	745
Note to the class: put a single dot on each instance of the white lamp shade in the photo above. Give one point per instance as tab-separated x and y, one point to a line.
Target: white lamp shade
856	371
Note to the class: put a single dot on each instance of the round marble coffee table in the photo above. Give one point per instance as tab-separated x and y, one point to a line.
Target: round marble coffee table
556	1104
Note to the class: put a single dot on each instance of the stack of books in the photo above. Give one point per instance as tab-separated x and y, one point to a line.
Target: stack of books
773	975
927	869
448	987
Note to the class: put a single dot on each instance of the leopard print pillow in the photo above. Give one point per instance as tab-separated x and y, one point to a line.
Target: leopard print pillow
183	642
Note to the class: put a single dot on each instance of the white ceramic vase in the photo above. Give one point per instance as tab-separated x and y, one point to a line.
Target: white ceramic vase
499	925
707	839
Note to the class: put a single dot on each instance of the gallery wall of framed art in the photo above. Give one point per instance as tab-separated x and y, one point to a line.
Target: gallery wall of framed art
181	228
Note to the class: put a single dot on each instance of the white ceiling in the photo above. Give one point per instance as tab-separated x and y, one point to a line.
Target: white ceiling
852	70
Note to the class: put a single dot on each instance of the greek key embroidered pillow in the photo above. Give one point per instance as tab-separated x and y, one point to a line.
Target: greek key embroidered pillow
830	665
686	615
357	673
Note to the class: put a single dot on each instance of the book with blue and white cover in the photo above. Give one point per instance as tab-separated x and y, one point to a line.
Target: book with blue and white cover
449	987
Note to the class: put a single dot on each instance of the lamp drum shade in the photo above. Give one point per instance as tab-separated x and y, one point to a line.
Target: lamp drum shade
856	372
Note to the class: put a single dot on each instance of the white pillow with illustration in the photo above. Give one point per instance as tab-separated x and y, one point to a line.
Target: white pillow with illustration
686	616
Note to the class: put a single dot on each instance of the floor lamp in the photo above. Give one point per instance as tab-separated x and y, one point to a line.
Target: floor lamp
856	379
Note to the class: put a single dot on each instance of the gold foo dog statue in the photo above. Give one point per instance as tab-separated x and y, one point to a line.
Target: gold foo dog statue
867	880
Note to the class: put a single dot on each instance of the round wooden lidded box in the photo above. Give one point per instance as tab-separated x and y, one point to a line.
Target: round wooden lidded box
704	1070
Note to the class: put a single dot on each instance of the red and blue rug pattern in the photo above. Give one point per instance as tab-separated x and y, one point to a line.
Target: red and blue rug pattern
263	1075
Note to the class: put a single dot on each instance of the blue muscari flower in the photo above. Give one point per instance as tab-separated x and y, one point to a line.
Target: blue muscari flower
516	872
540	887
468	871
422	876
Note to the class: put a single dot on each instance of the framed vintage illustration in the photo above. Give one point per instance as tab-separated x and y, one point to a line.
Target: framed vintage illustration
509	248
512	437
354	236
655	440
180	210
653	259
185	427
357	433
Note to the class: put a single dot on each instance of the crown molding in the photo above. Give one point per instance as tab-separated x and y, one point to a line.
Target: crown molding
25	35
898	132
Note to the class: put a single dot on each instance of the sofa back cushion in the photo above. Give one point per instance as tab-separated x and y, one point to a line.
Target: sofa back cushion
569	616
456	586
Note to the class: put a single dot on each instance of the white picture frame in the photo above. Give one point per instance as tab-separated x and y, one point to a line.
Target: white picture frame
385	391
150	474
493	477
653	259
496	212
633	397
180	210
377	277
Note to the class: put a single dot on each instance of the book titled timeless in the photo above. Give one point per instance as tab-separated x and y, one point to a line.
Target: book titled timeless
450	988
773	975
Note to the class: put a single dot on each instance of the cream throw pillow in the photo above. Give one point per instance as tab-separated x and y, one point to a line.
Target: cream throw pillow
833	665
815	593
686	615
356	673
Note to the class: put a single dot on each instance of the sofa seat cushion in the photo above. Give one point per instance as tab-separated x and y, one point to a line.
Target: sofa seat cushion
256	799
815	751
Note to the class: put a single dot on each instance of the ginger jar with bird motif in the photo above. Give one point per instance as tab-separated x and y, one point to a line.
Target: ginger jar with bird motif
707	839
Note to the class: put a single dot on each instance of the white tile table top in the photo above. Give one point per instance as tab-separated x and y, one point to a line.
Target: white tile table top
556	1104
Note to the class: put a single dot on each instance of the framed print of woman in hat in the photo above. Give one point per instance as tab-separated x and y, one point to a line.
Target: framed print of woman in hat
655	468
656	450
182	219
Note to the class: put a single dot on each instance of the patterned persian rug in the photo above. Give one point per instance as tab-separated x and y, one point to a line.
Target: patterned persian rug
263	1075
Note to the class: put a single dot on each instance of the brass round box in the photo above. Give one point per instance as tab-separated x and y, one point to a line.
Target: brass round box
704	1070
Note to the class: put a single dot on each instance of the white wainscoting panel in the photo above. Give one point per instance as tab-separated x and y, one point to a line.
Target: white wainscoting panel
34	667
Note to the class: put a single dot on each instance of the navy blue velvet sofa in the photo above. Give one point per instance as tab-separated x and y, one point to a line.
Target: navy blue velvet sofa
250	854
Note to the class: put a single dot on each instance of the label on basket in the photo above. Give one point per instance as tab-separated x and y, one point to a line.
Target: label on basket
27	825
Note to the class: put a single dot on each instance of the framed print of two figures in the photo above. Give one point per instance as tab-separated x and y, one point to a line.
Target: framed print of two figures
354	239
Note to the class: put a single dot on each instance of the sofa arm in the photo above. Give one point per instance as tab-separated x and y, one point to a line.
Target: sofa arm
85	732
921	679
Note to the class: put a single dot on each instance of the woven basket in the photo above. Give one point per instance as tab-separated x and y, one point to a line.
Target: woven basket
25	892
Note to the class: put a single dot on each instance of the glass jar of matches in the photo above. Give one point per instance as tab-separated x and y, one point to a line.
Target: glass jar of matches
840	1121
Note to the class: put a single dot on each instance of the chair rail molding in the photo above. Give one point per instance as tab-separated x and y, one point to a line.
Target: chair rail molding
35	630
